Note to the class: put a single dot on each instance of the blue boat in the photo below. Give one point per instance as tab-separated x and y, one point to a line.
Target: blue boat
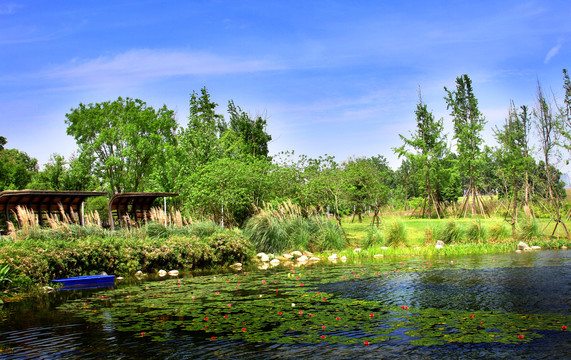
86	282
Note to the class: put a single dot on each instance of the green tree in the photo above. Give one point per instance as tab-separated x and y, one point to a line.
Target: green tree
564	123
17	168
58	174
546	125
253	133
513	155
428	149
123	140
468	126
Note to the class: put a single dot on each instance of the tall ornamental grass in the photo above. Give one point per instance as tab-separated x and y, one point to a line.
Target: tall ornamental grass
280	228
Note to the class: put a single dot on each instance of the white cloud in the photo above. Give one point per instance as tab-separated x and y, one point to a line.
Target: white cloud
554	50
142	65
8	8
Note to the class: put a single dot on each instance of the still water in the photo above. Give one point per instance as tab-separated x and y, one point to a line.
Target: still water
415	308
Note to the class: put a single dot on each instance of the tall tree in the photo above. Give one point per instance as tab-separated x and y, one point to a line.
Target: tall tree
565	116
513	155
123	140
17	169
546	125
468	126
428	149
252	132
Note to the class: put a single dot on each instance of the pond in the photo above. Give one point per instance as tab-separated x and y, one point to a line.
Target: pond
492	306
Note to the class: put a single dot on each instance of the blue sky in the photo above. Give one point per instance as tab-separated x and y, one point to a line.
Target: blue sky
332	77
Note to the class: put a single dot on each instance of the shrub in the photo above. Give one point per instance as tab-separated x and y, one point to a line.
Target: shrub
396	234
330	236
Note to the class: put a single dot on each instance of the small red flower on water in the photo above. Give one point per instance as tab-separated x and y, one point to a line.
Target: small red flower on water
480	323
323	327
301	313
563	327
323	299
371	314
217	293
263	281
310	315
279	313
102	297
206	319
472	316
84	304
143	333
366	343
243	329
229	305
520	336
323	336
213	338
337	318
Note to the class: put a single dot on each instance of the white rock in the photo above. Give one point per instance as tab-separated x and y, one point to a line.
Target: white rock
518	250
441	243
377	256
263	266
564	247
48	289
139	273
438	247
162	273
288	256
343	258
302	258
332	257
296	253
313	258
522	246
308	253
275	262
260	254
119	278
236	266
357	250
536	248
384	248
265	258
173	273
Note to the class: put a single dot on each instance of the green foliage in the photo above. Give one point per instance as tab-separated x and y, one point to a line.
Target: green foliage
16	169
528	228
205	228
39	260
4	279
273	232
121	140
396	233
450	233
374	237
476	232
498	231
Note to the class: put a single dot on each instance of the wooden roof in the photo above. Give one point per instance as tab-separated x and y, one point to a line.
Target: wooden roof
133	203
142	200
42	200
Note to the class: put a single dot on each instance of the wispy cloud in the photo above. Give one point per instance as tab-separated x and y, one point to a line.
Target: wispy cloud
554	50
9	8
143	65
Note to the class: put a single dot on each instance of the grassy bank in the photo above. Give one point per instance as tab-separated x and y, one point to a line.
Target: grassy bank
45	255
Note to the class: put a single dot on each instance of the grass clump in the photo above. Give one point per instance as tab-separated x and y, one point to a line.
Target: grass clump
528	229
374	237
396	233
278	230
450	233
498	231
476	232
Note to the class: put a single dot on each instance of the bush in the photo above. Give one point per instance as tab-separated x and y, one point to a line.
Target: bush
396	234
36	261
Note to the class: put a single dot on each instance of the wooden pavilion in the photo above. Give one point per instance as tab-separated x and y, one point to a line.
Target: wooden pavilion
136	205
45	202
